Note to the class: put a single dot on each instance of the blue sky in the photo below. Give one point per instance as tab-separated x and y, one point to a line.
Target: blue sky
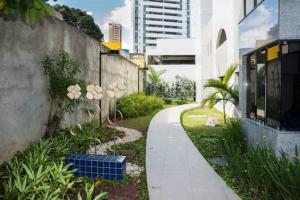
100	8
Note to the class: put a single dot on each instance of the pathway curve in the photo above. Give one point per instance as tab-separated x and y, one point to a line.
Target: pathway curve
175	168
131	135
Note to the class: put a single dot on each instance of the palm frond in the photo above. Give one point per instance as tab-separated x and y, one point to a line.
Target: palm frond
229	72
211	100
216	84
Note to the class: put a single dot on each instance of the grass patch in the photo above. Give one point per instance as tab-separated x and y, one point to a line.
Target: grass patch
198	131
254	173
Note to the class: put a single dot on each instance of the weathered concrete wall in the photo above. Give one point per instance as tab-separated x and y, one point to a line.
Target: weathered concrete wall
24	98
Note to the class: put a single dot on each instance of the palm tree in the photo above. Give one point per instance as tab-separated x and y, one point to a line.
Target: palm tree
222	91
155	76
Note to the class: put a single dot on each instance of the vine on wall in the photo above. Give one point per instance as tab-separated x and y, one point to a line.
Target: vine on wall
62	72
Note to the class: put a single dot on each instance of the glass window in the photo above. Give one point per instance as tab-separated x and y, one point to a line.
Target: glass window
249	6
291	87
273	93
266	25
261	87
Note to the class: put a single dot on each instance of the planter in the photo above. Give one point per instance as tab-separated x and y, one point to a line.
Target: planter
98	166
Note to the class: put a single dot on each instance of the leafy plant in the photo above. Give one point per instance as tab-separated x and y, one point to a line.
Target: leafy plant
184	90
138	104
223	92
39	172
155	79
33	10
62	72
89	190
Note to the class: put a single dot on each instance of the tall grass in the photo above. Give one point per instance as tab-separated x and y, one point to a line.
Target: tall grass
258	168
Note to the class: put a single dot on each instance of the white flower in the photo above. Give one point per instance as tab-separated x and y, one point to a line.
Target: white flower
74	91
116	90
94	92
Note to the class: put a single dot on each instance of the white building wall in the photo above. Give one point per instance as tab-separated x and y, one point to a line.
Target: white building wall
179	47
217	15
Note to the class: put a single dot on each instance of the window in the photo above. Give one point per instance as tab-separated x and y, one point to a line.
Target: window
249	6
291	87
221	37
274	91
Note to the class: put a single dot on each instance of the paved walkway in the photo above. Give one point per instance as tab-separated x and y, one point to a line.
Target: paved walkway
175	168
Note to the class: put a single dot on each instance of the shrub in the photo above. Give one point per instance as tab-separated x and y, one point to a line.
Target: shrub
259	168
168	100
184	90
138	104
39	172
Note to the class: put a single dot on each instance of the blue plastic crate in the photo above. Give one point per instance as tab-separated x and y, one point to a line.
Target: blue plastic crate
98	166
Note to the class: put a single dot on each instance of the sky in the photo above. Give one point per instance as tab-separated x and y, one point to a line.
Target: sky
105	11
119	11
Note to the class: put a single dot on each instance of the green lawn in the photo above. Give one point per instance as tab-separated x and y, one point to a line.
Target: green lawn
198	132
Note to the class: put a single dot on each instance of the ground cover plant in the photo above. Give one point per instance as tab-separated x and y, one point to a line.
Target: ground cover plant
39	172
254	173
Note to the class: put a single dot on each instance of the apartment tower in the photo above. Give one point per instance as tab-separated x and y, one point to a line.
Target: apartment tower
115	32
159	19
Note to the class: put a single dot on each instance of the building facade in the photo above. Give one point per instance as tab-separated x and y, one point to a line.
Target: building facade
115	32
270	74
218	42
158	19
176	57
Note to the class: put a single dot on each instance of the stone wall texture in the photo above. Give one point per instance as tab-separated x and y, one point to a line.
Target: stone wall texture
24	97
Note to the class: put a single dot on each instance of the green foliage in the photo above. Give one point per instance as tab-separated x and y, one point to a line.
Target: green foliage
89	190
155	80
138	104
184	90
80	20
62	72
33	10
223	92
84	137
273	178
255	173
39	173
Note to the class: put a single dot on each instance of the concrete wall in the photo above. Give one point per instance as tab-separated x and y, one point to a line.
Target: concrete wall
289	19
264	136
24	98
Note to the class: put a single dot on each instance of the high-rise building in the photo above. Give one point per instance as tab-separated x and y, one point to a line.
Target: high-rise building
159	19
115	32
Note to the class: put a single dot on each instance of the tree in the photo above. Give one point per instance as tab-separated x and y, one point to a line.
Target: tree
33	10
155	78
222	91
80	20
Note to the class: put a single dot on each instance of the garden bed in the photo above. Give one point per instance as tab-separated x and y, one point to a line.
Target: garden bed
252	173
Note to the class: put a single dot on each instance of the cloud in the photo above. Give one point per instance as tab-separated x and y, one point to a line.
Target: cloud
120	15
256	29
89	13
